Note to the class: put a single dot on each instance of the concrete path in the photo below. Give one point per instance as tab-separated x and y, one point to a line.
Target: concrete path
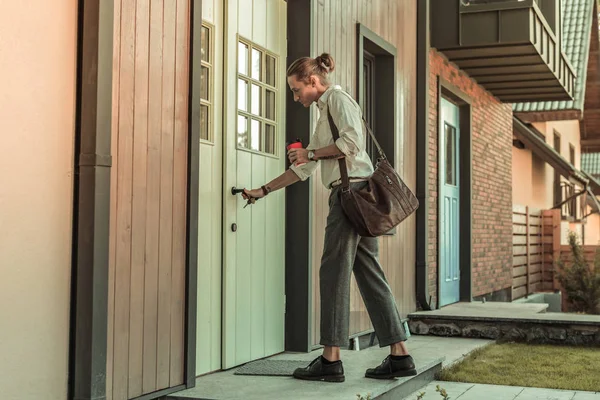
225	385
470	391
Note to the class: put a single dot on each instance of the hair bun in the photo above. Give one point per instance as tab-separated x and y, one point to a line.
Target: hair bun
326	62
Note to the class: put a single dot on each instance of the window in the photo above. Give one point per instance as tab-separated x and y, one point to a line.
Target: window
256	99
557	188
450	153
572	154
206	80
377	91
557	142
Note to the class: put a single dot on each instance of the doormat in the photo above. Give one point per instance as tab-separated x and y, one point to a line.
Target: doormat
271	367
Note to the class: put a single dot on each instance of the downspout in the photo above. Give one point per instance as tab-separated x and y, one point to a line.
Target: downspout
91	208
422	237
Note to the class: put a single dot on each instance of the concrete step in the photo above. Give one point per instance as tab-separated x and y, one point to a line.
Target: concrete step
507	321
225	385
257	387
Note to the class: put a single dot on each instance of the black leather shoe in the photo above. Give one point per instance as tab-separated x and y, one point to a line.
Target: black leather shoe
391	368
317	370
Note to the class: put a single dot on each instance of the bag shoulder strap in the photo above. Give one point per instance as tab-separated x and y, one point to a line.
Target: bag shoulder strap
343	167
336	135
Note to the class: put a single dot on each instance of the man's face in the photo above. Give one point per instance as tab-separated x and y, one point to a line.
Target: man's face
304	93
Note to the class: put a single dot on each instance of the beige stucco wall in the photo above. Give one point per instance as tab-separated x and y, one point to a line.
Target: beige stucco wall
37	104
592	230
521	176
533	179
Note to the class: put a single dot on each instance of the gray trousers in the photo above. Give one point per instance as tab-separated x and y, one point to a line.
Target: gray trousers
346	252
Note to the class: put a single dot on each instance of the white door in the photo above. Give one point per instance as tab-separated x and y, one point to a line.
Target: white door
254	122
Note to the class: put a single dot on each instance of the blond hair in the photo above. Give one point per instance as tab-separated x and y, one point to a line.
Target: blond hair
303	68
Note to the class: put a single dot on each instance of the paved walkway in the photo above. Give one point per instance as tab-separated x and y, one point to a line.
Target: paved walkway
470	391
225	385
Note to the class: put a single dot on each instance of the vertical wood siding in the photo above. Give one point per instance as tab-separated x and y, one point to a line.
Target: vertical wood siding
148	197
335	33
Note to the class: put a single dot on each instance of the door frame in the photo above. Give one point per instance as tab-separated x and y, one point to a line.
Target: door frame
465	157
91	203
298	199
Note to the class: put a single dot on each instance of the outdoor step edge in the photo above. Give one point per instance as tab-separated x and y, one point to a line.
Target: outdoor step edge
543	321
409	385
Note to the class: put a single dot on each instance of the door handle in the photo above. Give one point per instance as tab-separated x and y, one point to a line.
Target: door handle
235	191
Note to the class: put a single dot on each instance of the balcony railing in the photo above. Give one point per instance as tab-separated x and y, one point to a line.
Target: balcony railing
511	47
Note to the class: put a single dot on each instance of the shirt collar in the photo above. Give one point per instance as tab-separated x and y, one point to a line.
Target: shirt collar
323	99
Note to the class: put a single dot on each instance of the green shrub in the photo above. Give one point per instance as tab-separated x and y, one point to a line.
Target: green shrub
580	281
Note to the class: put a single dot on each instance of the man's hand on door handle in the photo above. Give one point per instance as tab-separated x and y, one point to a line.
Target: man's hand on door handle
253	194
287	178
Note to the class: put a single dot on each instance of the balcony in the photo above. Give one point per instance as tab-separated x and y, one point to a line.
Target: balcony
569	205
510	47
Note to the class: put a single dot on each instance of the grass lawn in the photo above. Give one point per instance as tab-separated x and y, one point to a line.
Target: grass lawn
517	364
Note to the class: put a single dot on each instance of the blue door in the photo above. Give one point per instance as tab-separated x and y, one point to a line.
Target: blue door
449	204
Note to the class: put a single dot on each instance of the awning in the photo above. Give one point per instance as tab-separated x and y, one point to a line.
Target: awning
534	140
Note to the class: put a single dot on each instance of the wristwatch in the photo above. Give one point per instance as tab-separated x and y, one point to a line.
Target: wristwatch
311	155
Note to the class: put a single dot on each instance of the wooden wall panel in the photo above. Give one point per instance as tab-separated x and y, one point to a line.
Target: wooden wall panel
138	217
113	199
335	33
165	245
148	198
153	200
180	151
123	210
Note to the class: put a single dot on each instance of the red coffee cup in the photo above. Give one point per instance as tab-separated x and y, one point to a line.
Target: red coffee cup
295	145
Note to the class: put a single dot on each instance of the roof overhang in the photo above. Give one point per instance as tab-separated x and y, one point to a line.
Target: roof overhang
545	116
508	47
534	140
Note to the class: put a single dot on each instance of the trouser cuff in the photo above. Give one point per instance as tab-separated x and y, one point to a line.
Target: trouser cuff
391	340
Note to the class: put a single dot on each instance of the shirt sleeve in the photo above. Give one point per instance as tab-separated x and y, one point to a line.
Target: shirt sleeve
306	170
348	120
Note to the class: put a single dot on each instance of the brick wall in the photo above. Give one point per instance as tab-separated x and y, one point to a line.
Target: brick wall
491	186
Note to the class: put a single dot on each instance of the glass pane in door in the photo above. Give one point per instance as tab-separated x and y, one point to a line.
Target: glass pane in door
450	154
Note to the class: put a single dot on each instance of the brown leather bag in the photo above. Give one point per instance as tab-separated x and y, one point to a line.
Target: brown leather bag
383	203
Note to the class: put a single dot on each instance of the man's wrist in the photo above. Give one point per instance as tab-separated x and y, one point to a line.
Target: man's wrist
266	190
311	156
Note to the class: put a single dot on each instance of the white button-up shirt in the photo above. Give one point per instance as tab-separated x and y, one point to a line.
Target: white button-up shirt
347	116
